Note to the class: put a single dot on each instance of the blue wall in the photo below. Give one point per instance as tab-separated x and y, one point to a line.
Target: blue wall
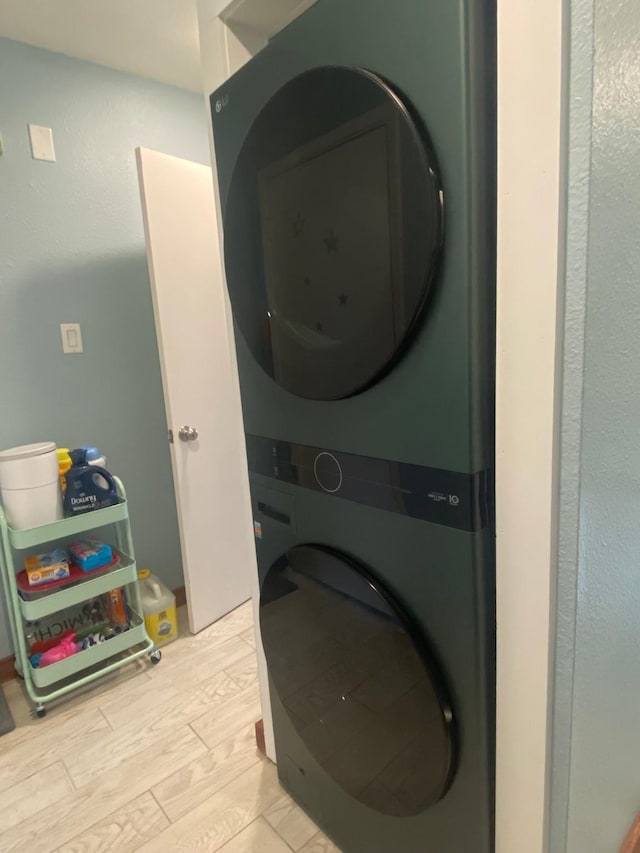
72	250
596	737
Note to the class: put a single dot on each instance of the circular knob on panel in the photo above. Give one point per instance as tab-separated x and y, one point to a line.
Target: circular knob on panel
328	472
187	433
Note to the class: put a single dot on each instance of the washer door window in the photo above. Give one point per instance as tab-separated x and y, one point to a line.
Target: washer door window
333	228
356	681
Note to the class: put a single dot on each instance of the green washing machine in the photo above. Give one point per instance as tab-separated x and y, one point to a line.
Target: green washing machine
356	163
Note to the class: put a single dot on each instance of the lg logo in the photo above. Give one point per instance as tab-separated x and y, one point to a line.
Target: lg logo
221	103
454	500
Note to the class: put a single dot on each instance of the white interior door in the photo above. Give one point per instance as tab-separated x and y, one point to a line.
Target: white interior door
183	253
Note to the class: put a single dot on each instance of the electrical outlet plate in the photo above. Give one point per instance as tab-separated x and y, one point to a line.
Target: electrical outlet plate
41	143
71	337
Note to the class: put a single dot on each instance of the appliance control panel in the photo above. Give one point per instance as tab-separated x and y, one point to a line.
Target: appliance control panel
452	498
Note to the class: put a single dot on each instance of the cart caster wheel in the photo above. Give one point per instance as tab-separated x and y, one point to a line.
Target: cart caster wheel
41	711
155	657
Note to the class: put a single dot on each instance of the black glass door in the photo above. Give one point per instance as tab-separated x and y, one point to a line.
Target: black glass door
356	681
333	228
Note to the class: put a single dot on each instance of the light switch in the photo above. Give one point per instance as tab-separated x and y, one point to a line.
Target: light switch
71	337
41	143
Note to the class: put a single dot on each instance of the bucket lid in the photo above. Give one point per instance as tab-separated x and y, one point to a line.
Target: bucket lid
27	450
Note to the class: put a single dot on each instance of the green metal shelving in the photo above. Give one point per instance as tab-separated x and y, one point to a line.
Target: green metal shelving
51	682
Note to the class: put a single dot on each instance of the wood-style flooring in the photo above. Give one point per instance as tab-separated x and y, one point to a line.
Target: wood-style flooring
154	758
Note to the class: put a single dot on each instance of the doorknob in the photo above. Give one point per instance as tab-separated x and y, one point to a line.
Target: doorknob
187	433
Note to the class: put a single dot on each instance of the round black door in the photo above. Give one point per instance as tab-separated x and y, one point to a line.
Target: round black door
356	681
333	229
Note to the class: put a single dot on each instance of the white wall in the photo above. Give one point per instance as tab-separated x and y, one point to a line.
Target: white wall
596	791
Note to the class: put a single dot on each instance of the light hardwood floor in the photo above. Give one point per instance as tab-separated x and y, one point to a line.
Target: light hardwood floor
154	759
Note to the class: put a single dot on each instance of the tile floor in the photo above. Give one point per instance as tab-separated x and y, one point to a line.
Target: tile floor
153	759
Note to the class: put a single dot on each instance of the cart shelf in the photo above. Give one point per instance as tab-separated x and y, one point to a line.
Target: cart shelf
56	672
67	528
90	587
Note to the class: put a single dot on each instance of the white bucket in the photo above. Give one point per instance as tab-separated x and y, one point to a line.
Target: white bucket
30	485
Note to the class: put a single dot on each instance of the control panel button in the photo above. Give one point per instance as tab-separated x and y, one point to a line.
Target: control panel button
328	472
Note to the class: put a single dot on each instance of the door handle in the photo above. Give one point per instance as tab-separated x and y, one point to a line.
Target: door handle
187	433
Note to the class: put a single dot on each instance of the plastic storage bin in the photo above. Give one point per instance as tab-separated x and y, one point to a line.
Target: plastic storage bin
30	485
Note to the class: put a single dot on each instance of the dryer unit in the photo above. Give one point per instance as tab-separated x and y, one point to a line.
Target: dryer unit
356	165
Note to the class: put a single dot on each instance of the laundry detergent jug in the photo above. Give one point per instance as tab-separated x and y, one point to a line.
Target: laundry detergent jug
159	607
89	486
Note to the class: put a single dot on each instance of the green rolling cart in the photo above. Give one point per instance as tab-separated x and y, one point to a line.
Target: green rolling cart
51	682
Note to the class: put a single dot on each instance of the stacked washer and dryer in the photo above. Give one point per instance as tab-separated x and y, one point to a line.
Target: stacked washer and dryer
356	166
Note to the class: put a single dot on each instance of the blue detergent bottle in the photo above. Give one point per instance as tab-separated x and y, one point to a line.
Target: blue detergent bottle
89	487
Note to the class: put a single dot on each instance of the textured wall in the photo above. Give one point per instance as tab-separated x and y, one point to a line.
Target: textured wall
72	250
577	172
599	649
